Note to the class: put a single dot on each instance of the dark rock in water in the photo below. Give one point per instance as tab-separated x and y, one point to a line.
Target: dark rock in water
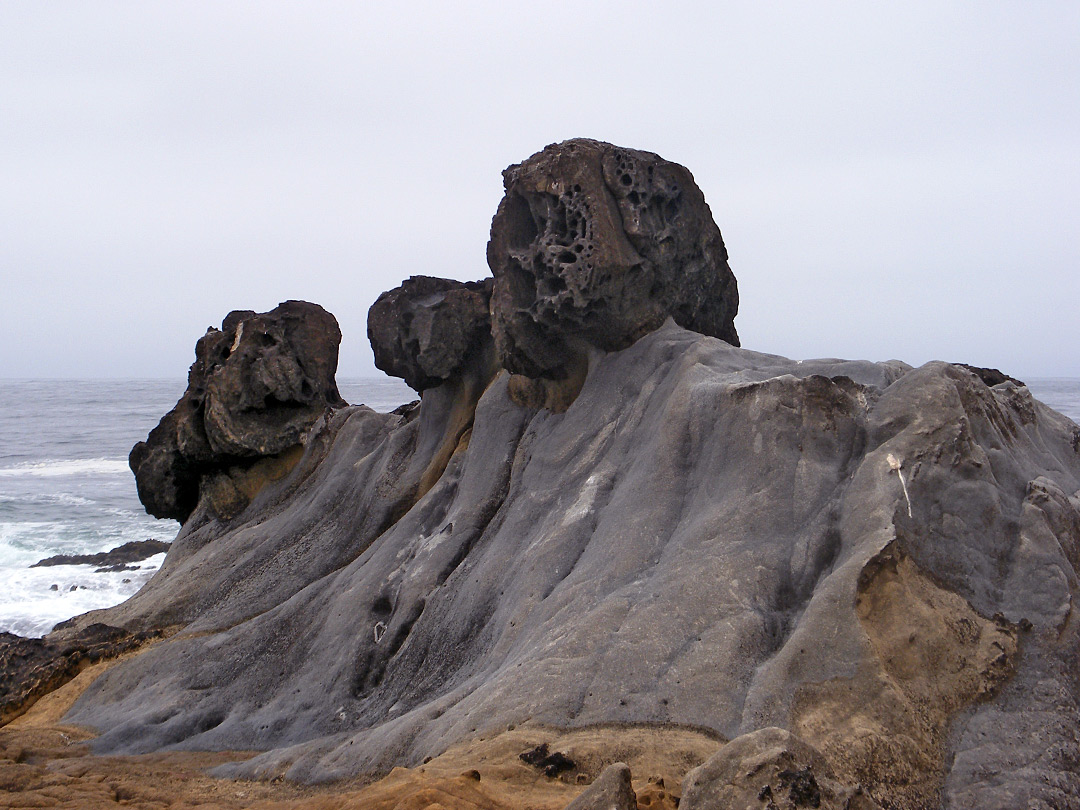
257	385
32	667
769	767
427	329
594	246
134	551
611	791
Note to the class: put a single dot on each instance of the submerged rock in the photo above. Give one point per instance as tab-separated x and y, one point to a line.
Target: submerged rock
256	386
130	552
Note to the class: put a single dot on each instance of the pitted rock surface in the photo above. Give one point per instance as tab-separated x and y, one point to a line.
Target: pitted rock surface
596	245
256	386
428	329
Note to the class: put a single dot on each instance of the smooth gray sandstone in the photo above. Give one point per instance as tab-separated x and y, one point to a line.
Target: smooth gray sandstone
707	535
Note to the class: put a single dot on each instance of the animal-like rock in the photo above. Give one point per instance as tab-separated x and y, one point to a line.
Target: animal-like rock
256	386
429	329
594	245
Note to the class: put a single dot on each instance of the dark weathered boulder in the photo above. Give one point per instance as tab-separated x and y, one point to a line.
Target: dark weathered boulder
596	245
428	329
256	386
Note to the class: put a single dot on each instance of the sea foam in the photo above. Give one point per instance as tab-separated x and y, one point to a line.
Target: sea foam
51	468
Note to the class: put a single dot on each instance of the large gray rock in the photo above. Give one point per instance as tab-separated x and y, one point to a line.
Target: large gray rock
594	245
257	385
880	559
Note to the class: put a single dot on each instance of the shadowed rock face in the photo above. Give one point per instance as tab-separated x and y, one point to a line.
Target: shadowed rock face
596	245
428	329
256	386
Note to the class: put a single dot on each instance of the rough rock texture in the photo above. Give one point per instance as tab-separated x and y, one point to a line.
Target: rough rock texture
594	245
769	768
32	667
256	386
611	791
880	559
430	329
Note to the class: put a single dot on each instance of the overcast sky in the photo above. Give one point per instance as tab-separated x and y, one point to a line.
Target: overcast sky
898	182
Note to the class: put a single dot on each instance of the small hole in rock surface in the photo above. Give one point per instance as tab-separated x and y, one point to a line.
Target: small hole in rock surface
626	180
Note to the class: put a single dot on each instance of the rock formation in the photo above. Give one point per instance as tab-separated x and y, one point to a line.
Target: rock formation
255	388
769	767
429	329
594	246
611	791
860	574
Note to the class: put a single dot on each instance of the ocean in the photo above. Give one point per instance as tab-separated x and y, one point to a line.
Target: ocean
65	487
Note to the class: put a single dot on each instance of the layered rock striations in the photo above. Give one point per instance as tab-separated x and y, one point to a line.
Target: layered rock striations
861	574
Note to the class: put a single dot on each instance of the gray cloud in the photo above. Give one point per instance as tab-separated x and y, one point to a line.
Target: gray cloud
890	183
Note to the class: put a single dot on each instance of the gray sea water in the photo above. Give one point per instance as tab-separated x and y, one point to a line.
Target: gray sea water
65	487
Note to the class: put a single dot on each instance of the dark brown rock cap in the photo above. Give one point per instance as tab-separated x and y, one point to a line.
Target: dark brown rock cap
256	386
596	245
429	329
